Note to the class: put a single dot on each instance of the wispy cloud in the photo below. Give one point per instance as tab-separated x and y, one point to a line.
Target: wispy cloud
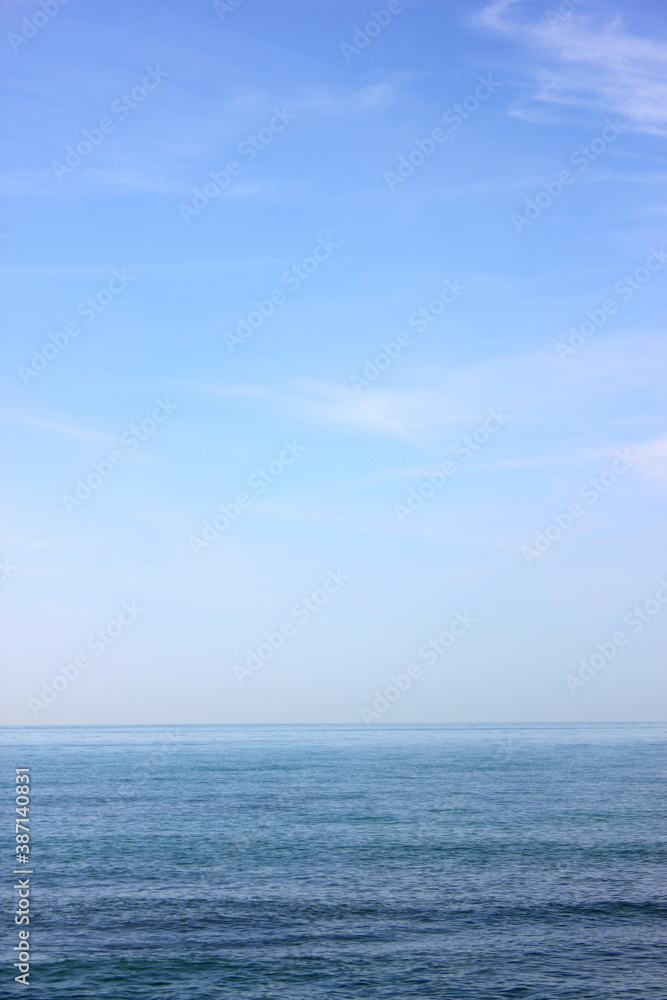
248	110
652	459
350	101
53	426
397	413
589	60
543	398
181	268
89	179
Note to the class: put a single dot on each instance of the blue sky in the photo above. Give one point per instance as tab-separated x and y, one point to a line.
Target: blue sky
541	202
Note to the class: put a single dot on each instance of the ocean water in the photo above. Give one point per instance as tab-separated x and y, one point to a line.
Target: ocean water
302	862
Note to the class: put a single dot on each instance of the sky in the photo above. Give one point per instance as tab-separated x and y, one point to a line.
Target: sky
334	365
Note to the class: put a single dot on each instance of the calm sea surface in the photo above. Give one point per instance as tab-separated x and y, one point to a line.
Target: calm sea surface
299	862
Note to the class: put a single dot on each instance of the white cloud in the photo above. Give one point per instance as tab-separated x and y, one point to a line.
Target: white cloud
588	60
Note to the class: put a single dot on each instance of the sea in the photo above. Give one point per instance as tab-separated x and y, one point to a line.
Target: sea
331	862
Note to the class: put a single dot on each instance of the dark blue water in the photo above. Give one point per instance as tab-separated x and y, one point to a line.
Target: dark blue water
299	862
